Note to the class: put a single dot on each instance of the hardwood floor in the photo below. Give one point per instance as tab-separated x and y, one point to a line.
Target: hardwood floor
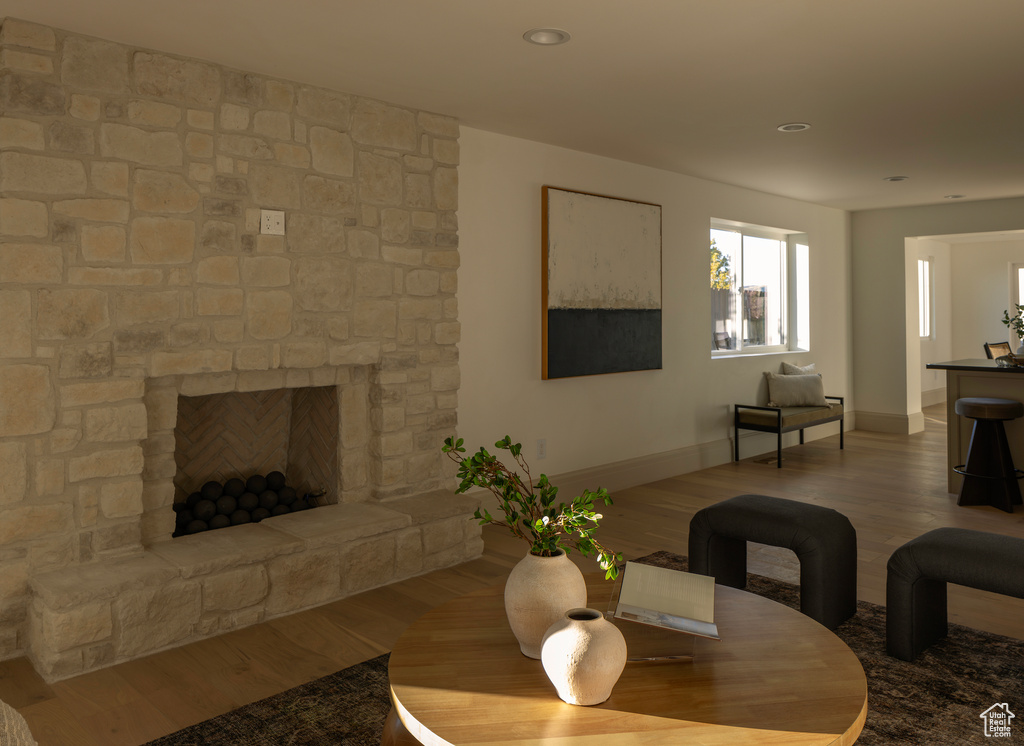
891	487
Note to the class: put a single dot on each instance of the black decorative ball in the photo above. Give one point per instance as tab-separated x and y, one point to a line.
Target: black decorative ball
234	487
256	484
212	490
259	514
220	521
298	505
239	517
248	501
268	499
192	499
204	510
183	518
286	495
195	527
280	510
227	505
275	481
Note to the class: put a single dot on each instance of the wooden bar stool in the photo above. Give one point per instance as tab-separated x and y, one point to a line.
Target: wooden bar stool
989	475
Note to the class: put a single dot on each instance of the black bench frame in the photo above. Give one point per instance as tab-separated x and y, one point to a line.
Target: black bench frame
778	428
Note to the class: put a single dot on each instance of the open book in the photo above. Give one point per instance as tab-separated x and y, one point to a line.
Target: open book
669	599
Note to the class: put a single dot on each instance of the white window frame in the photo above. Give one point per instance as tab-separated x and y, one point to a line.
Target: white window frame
1016	284
799	279
796	291
926	297
1016	293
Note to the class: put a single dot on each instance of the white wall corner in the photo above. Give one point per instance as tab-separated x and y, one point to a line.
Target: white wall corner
933	397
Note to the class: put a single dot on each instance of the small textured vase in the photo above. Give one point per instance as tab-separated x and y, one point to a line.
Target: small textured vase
583	654
538	592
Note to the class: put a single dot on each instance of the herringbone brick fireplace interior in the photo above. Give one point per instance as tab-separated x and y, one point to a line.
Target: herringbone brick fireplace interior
241	433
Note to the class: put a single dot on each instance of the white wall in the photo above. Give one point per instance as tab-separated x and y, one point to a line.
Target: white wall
981	292
884	358
595	420
938	348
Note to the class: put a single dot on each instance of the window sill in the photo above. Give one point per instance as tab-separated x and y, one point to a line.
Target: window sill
727	354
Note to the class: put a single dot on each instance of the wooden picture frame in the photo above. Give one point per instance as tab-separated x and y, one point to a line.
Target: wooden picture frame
601	284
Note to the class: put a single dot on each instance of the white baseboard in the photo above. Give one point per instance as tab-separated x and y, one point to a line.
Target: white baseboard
883	422
644	469
621	475
935	396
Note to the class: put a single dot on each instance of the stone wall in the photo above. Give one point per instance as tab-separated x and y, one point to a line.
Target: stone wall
131	184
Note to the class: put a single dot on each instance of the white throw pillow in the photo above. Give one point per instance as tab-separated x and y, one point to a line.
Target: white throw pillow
795	390
788	369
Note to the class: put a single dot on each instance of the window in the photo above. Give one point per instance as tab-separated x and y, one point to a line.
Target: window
924	297
1016	294
801	267
1017	284
759	289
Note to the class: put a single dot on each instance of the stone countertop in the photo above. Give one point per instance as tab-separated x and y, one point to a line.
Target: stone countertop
975	365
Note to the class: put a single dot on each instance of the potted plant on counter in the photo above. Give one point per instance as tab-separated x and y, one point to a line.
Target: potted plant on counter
546	583
1016	322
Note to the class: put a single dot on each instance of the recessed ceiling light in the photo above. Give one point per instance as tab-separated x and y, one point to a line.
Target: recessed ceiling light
547	37
955	196
895	178
793	127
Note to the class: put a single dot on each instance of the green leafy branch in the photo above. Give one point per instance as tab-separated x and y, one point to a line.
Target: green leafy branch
530	509
721	274
1016	322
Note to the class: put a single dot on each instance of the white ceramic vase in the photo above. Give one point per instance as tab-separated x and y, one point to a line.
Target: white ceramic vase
538	592
583	654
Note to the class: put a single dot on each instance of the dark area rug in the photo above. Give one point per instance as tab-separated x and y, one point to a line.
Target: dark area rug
936	700
345	708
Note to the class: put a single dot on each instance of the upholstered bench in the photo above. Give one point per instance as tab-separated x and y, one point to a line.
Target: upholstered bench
824	540
915	590
781	420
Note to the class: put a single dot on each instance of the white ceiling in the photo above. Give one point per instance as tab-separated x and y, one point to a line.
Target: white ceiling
929	89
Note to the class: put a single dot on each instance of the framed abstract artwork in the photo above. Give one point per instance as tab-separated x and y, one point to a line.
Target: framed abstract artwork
600	284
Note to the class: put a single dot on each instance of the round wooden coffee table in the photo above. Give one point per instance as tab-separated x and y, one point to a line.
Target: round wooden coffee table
776	677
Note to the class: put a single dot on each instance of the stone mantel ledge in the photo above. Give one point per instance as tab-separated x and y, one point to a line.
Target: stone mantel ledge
434	506
223	549
72	586
274	559
332	525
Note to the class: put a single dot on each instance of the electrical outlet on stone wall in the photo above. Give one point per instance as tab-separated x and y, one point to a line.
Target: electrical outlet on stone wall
272	222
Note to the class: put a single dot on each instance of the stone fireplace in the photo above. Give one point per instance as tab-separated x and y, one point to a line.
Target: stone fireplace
133	276
245	435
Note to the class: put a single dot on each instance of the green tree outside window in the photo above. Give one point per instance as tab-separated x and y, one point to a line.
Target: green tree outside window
721	274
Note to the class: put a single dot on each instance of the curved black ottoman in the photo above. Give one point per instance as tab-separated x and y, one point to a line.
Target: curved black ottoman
917	573
824	540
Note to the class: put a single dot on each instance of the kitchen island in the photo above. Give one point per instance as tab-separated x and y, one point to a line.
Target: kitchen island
978	378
